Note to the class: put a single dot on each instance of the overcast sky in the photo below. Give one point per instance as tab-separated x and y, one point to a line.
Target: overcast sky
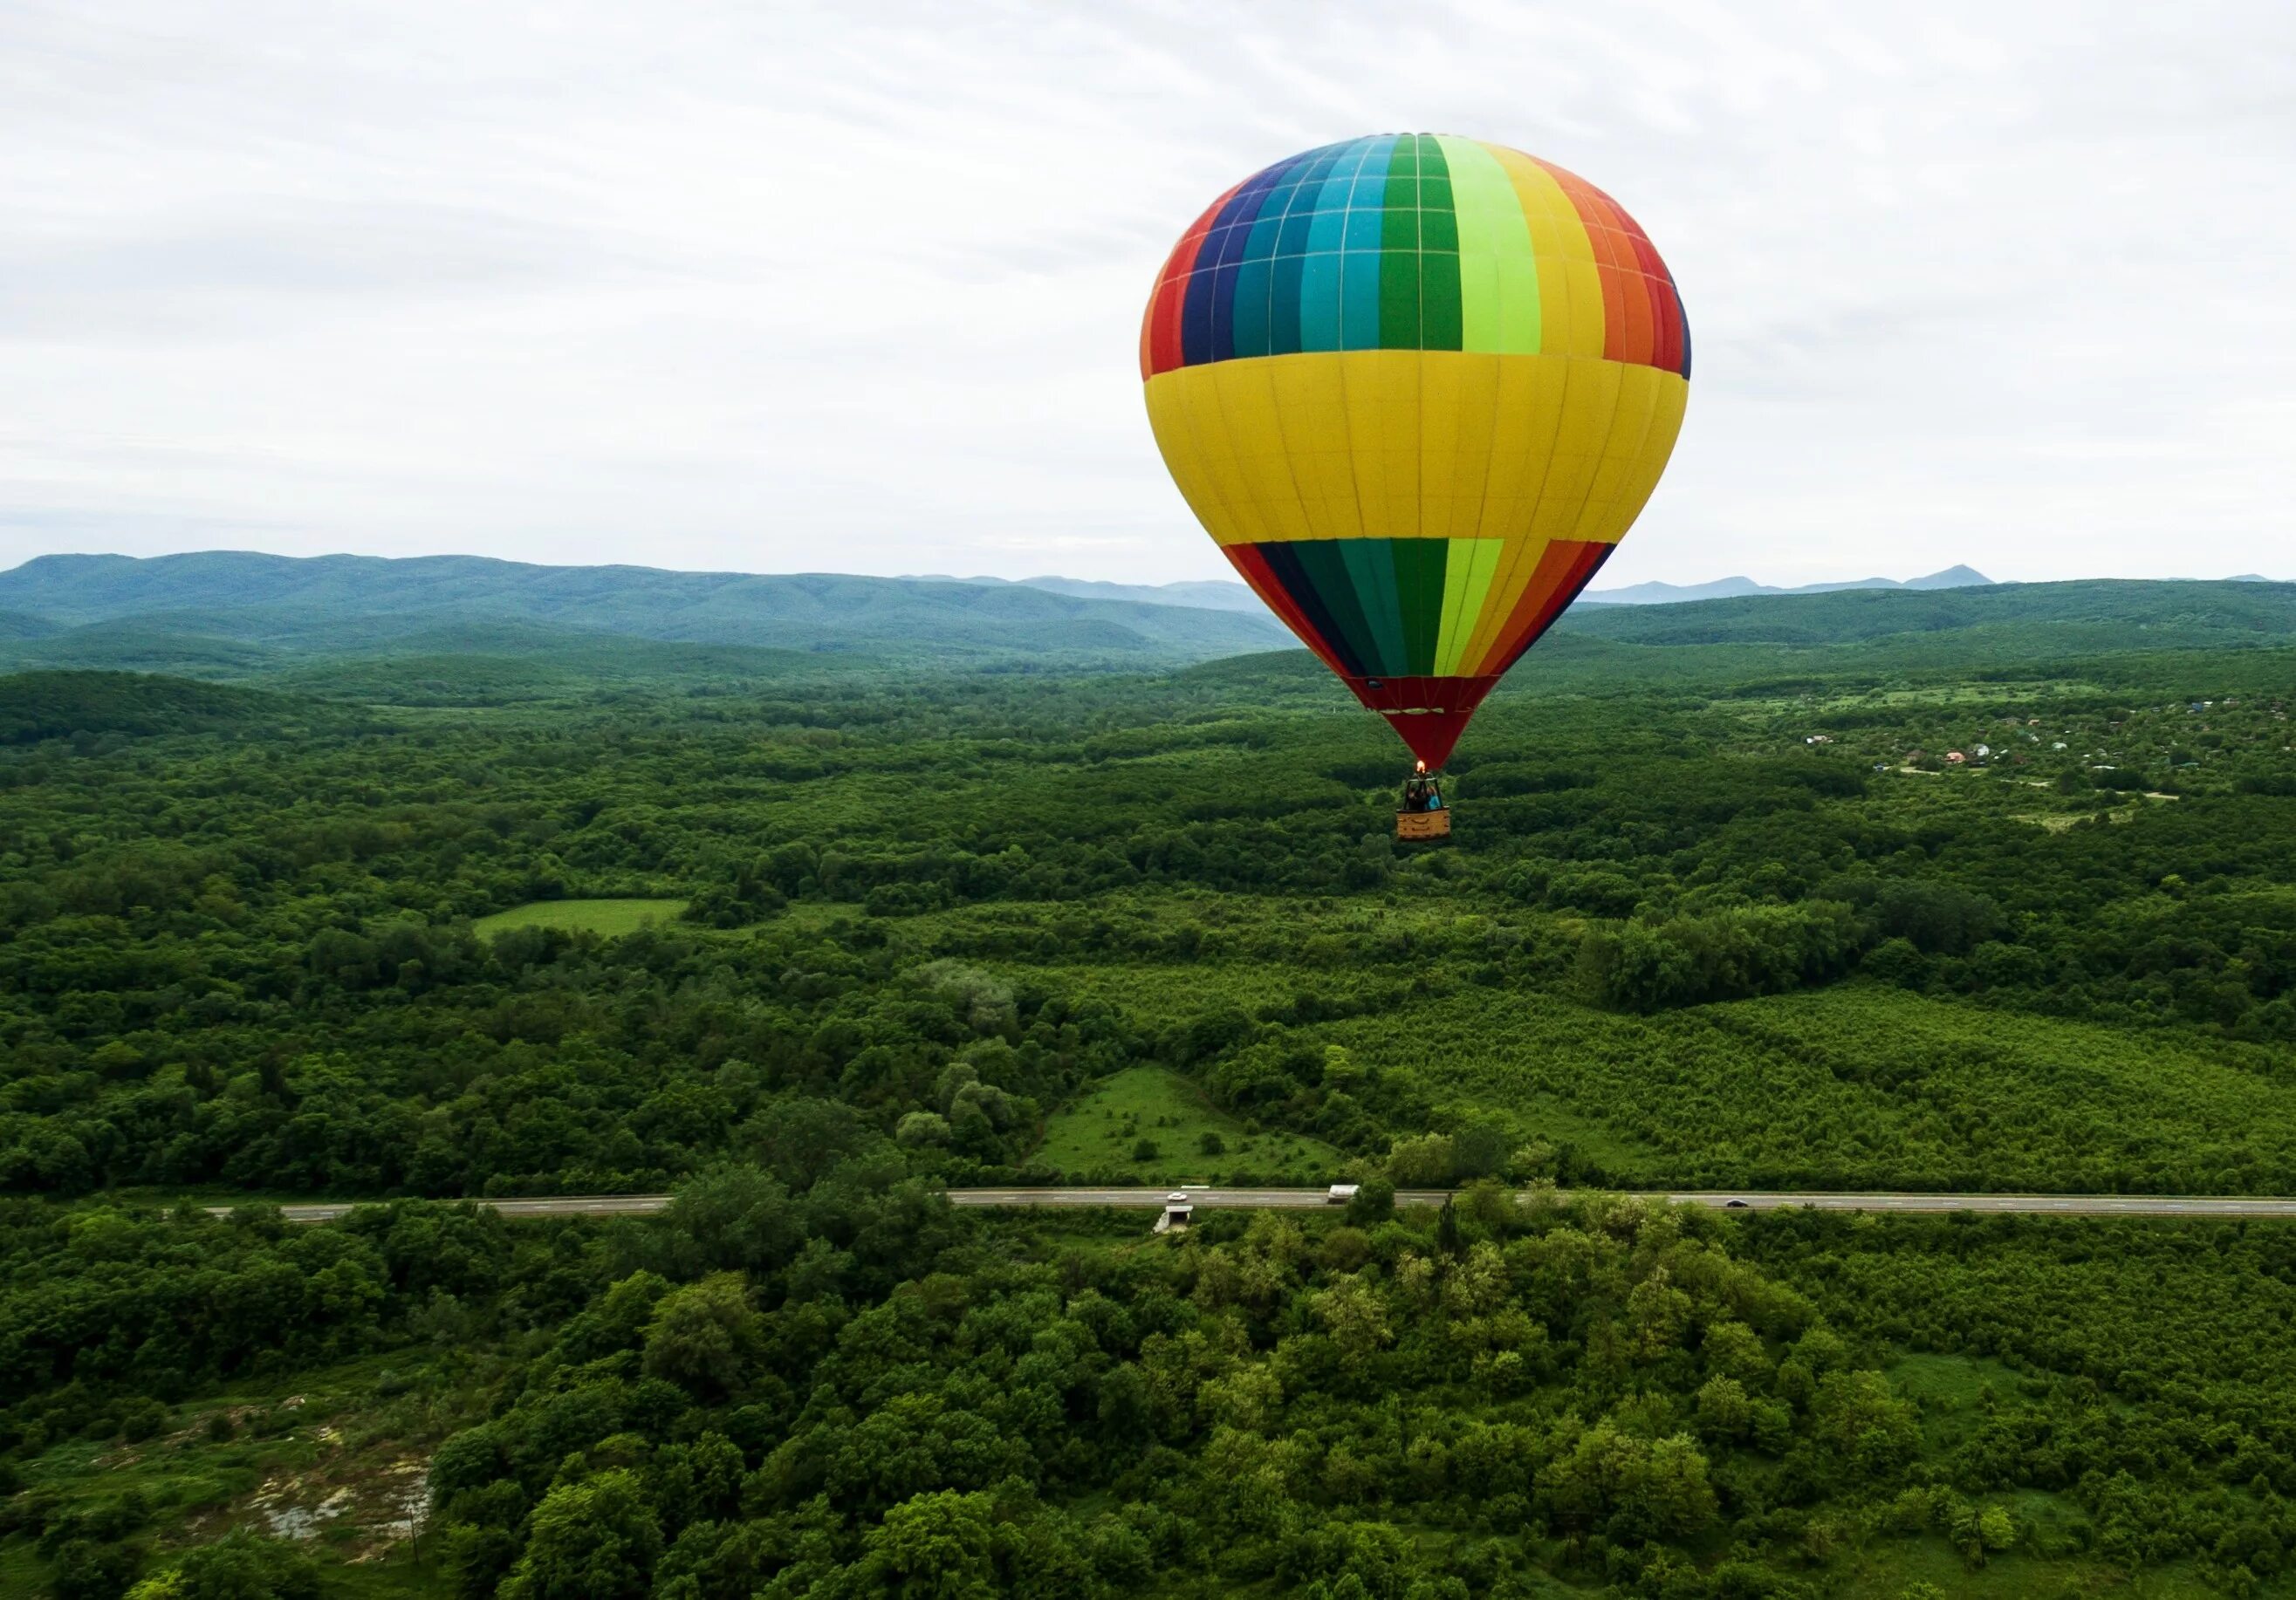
773	287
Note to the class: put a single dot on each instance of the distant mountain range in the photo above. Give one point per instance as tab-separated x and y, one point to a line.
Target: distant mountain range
1212	594
456	625
1992	622
228	603
1226	595
1669	594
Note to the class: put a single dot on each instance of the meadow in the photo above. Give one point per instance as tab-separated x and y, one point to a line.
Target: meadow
1148	1125
1720	913
608	917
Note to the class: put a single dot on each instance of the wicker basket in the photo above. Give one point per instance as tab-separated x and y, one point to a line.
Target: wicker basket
1423	824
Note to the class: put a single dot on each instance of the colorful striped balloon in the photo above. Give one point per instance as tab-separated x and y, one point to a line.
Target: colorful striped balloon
1417	387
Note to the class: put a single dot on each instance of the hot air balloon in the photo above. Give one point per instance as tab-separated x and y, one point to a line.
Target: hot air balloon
1416	387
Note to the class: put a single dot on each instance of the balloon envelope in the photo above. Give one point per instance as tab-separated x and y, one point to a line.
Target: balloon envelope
1417	387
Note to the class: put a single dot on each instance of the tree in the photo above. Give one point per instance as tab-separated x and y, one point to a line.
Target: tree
596	1540
1724	1412
740	1218
718	1561
701	1482
1638	1488
1675	1499
468	1460
921	1128
478	1557
1124	1409
1938	917
1659	1313
87	1569
1355	1319
935	1547
1897	960
1424	1163
1373	1202
705	1336
1479	1149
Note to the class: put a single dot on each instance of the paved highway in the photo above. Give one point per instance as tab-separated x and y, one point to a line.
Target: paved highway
2070	1205
2030	1206
1223	1199
555	1205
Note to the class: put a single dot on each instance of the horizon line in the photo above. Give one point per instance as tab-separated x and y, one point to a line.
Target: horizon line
1867	580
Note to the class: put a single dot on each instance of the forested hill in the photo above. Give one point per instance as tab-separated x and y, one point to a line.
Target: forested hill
2089	614
331	603
466	629
2100	630
49	705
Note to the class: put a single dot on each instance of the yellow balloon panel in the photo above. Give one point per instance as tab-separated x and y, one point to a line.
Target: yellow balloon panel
1417	444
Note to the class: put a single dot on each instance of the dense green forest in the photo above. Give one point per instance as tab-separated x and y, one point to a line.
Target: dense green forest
1992	891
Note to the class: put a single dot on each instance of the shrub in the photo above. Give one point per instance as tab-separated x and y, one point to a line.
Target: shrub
239	1566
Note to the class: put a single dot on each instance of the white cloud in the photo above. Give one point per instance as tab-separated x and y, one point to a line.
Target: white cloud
856	287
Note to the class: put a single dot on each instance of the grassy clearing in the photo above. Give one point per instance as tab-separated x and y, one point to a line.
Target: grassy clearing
1950	1383
1953	1391
1162	995
609	917
1888	1571
1100	1136
2049	822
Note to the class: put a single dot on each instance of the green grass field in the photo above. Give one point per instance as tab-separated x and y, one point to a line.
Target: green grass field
610	918
1097	1135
